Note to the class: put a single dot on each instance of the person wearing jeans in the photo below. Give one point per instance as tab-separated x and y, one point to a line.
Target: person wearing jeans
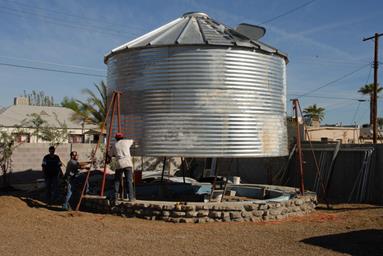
128	182
71	176
124	165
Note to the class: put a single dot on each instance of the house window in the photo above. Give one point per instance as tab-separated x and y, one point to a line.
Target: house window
22	137
96	137
76	138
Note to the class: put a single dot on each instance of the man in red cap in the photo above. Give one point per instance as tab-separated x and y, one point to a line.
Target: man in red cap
121	151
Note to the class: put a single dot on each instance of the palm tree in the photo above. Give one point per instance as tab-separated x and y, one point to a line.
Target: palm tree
368	89
93	109
314	113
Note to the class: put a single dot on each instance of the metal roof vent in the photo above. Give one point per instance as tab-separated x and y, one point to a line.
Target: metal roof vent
198	88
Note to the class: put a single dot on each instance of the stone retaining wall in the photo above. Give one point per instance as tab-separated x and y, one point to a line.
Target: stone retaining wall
205	212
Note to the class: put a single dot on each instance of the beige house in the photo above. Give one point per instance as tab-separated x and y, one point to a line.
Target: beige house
16	119
333	133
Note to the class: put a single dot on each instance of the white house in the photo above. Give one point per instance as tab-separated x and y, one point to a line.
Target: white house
14	119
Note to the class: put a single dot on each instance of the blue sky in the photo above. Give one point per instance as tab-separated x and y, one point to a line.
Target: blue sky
323	41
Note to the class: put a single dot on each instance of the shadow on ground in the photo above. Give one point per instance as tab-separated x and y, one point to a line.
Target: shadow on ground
34	199
361	242
337	208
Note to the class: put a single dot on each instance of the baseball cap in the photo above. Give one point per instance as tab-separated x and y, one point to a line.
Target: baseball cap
119	135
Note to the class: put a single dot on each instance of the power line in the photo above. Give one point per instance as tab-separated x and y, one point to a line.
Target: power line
49	69
29	6
356	112
64	23
333	81
52	63
327	61
369	74
328	97
287	12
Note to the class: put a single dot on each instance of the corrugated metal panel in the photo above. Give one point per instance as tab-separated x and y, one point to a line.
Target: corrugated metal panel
202	101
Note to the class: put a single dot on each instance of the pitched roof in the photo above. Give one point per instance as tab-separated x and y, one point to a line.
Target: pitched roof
17	114
196	28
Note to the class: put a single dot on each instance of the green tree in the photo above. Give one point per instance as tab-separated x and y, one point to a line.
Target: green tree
42	130
368	89
70	103
7	147
314	113
93	109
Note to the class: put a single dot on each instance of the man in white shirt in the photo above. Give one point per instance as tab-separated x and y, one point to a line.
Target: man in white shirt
121	151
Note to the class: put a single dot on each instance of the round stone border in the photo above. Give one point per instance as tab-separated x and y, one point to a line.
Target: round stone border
199	212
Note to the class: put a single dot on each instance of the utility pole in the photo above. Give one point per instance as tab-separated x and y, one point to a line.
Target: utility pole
375	92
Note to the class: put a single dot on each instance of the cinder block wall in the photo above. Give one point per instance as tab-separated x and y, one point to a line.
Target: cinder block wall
27	159
29	156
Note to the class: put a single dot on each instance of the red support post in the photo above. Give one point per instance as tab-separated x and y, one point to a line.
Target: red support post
95	151
108	142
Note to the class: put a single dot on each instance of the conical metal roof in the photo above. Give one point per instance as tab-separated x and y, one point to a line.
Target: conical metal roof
195	28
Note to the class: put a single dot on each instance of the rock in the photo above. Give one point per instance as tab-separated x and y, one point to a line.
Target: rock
214	214
235	215
191	214
250	207
142	205
268	217
174	220
177	214
200	220
202	213
186	220
296	209
218	207
246	214
187	207
298	202
257	213
156	213
225	215
156	207
201	207
168	207
275	212
256	219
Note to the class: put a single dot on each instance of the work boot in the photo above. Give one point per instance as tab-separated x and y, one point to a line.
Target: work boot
66	207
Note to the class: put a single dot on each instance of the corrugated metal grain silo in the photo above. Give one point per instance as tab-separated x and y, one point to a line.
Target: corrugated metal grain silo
197	88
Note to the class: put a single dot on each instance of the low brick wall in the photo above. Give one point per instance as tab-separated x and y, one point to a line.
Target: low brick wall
205	212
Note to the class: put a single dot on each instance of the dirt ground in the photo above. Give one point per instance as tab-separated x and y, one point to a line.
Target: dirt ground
28	227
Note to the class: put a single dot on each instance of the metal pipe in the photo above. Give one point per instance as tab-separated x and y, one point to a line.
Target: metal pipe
163	169
299	148
118	112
